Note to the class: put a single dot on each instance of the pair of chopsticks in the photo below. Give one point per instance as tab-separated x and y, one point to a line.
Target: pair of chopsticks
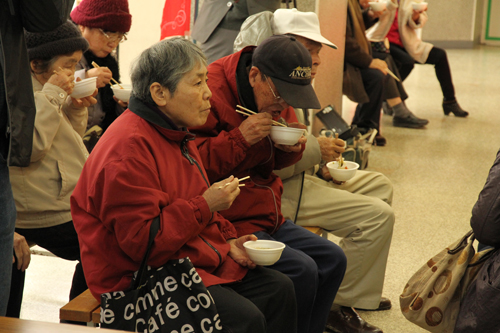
393	75
239	180
247	112
116	82
340	159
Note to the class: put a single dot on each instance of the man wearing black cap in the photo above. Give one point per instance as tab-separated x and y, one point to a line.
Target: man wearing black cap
270	80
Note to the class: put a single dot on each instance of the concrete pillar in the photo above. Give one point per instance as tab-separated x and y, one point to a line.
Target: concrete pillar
328	83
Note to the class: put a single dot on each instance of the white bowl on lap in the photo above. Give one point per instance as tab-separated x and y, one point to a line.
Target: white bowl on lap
344	173
122	94
84	88
264	252
286	135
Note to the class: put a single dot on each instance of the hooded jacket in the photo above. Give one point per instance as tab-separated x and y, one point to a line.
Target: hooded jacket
142	168
34	16
225	152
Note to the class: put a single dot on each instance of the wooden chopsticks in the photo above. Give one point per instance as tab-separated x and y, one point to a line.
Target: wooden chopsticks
239	180
393	75
116	82
247	112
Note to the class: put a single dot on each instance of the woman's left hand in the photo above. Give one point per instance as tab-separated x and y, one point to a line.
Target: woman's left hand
85	101
238	252
121	103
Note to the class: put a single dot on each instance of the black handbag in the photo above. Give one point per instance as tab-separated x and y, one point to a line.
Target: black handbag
171	298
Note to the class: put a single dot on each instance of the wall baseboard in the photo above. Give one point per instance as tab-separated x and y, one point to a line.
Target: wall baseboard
453	44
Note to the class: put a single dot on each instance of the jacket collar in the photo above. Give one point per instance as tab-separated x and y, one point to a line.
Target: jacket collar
160	121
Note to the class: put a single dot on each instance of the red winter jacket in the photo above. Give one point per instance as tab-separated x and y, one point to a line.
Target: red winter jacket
141	169
225	152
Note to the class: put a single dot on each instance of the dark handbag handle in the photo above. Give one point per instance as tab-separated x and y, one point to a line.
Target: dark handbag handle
153	231
464	243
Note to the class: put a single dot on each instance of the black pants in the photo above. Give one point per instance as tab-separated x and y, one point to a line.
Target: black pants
62	241
367	115
393	88
264	301
437	57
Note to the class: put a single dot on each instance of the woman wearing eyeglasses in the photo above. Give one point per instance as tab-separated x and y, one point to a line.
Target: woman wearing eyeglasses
104	24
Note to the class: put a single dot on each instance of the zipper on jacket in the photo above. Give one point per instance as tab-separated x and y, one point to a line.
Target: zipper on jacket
191	160
275	206
212	247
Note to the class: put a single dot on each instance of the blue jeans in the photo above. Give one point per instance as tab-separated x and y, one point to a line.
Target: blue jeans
7	225
316	267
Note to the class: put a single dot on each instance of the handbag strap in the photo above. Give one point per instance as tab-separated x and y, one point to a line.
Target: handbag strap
153	231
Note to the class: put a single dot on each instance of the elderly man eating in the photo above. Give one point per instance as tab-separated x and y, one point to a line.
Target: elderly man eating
270	80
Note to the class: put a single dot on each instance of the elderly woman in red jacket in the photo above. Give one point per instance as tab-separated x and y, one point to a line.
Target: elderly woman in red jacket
147	165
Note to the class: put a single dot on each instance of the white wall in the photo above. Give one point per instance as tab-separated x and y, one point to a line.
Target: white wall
145	31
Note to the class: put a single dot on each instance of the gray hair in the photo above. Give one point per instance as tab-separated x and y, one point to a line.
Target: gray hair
165	62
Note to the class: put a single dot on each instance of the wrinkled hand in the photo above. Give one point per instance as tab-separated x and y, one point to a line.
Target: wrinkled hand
296	147
63	78
221	196
22	252
256	127
331	148
379	64
238	252
85	101
415	16
121	103
103	75
326	176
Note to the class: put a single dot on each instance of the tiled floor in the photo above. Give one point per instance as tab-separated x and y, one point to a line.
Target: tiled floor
437	174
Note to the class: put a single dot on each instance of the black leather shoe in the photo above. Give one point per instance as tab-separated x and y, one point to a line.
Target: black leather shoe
347	320
410	121
454	108
379	140
385	304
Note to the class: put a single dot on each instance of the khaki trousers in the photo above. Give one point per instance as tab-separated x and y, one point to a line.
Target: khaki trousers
358	212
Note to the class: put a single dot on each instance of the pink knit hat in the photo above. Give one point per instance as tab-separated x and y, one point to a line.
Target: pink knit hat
109	15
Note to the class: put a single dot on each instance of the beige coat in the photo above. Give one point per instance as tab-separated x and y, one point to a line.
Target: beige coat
43	189
412	43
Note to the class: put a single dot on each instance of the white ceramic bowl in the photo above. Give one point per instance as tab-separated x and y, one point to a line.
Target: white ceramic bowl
342	174
84	88
378	6
122	94
264	252
419	6
286	135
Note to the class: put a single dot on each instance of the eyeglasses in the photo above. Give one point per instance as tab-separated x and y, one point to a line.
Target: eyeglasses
114	37
277	98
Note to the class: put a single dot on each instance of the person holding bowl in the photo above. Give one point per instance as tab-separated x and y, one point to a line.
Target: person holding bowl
42	189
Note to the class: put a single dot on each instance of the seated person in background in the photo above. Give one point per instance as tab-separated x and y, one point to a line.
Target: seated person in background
219	22
42	190
399	23
365	77
358	211
481	302
268	79
147	165
104	23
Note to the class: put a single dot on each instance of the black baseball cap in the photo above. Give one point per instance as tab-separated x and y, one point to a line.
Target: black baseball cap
288	63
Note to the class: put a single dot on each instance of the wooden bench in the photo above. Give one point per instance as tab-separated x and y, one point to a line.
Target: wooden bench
86	309
83	308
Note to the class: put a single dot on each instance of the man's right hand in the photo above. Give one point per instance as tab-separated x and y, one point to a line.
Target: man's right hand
256	127
103	75
379	64
220	196
331	148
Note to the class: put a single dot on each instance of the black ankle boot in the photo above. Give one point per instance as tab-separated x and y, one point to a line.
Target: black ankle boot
455	109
